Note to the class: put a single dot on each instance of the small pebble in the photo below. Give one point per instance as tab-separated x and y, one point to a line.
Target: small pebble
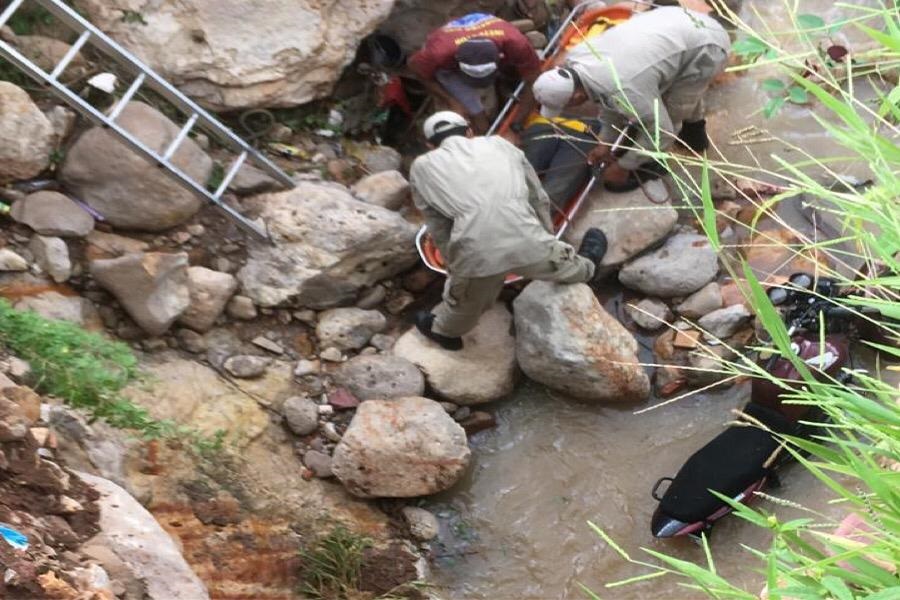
267	344
331	354
330	432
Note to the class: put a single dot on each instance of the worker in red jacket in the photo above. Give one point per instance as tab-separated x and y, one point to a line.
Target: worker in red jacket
462	59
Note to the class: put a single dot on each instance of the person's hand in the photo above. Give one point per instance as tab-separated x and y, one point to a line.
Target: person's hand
599	154
615	174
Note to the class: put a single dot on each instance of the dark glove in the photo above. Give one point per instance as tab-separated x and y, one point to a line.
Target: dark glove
693	135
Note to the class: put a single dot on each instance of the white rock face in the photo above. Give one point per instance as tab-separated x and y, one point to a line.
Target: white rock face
151	286
131	532
228	54
568	342
483	371
129	191
210	291
10	261
52	213
26	135
682	266
328	246
349	328
726	321
401	449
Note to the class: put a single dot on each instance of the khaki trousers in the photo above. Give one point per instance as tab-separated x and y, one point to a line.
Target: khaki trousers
467	298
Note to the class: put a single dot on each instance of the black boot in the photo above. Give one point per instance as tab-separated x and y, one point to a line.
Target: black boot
693	135
593	245
424	322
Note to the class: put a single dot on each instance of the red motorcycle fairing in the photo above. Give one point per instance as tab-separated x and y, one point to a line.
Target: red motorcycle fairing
825	360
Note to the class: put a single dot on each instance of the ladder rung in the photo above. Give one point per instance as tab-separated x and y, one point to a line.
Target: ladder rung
75	49
180	137
12	8
126	98
226	181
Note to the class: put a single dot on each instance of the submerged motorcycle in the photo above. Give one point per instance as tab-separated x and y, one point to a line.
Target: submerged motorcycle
743	459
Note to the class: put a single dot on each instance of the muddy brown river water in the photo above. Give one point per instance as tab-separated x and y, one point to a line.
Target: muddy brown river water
516	527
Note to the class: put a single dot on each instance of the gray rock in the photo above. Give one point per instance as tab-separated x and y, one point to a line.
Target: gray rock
649	313
138	540
388	189
250	180
682	266
703	301
423	526
26	136
52	255
209	292
51	213
568	342
129	191
349	328
55	306
372	298
631	222
383	342
724	322
192	341
152	287
376	159
63	121
241	307
380	377
307	367
319	463
328	247
110	245
246	366
483	371
267	344
401	449
10	261
331	354
301	414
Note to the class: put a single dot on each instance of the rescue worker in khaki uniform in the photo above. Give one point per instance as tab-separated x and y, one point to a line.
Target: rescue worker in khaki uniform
489	216
661	60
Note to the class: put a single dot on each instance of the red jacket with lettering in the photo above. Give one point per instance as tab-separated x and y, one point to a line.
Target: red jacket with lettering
439	51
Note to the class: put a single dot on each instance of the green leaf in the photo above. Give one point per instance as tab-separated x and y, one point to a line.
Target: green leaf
749	46
798	95
808	21
773	85
773	106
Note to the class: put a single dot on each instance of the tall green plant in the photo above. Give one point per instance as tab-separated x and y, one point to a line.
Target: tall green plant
857	458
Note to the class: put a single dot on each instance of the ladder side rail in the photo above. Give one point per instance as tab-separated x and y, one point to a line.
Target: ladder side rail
152	80
98	118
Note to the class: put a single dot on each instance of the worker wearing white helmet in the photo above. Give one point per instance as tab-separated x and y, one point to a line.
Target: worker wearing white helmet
651	70
489	216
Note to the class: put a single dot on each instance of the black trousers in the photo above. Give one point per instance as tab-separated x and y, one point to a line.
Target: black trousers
558	154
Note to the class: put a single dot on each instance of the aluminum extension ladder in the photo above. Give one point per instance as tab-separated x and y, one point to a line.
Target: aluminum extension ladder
143	76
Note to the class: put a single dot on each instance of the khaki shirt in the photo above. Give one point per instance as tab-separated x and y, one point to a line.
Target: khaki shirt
629	69
484	206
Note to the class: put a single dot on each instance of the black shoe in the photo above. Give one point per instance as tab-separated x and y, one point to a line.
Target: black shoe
593	245
424	322
693	136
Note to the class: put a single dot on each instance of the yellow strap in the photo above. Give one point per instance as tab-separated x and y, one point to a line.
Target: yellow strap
573	124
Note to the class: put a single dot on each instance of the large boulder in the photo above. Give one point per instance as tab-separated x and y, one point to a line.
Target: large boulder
281	53
349	328
380	376
26	135
210	291
328	246
568	342
631	222
686	263
51	213
388	189
402	449
129	191
483	371
152	286
134	536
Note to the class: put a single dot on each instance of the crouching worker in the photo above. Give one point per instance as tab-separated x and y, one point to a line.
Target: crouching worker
489	216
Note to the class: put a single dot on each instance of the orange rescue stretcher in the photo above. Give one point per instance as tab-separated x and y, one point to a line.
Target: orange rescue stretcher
584	22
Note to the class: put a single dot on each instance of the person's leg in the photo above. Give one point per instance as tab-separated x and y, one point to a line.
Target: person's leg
563	266
464	302
568	170
684	100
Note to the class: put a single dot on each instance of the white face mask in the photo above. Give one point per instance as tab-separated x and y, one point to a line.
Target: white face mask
478	71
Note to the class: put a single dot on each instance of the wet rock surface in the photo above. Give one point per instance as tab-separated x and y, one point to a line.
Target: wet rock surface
483	371
568	342
405	448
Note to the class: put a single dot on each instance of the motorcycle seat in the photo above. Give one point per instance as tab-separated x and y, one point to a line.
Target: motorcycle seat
728	464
